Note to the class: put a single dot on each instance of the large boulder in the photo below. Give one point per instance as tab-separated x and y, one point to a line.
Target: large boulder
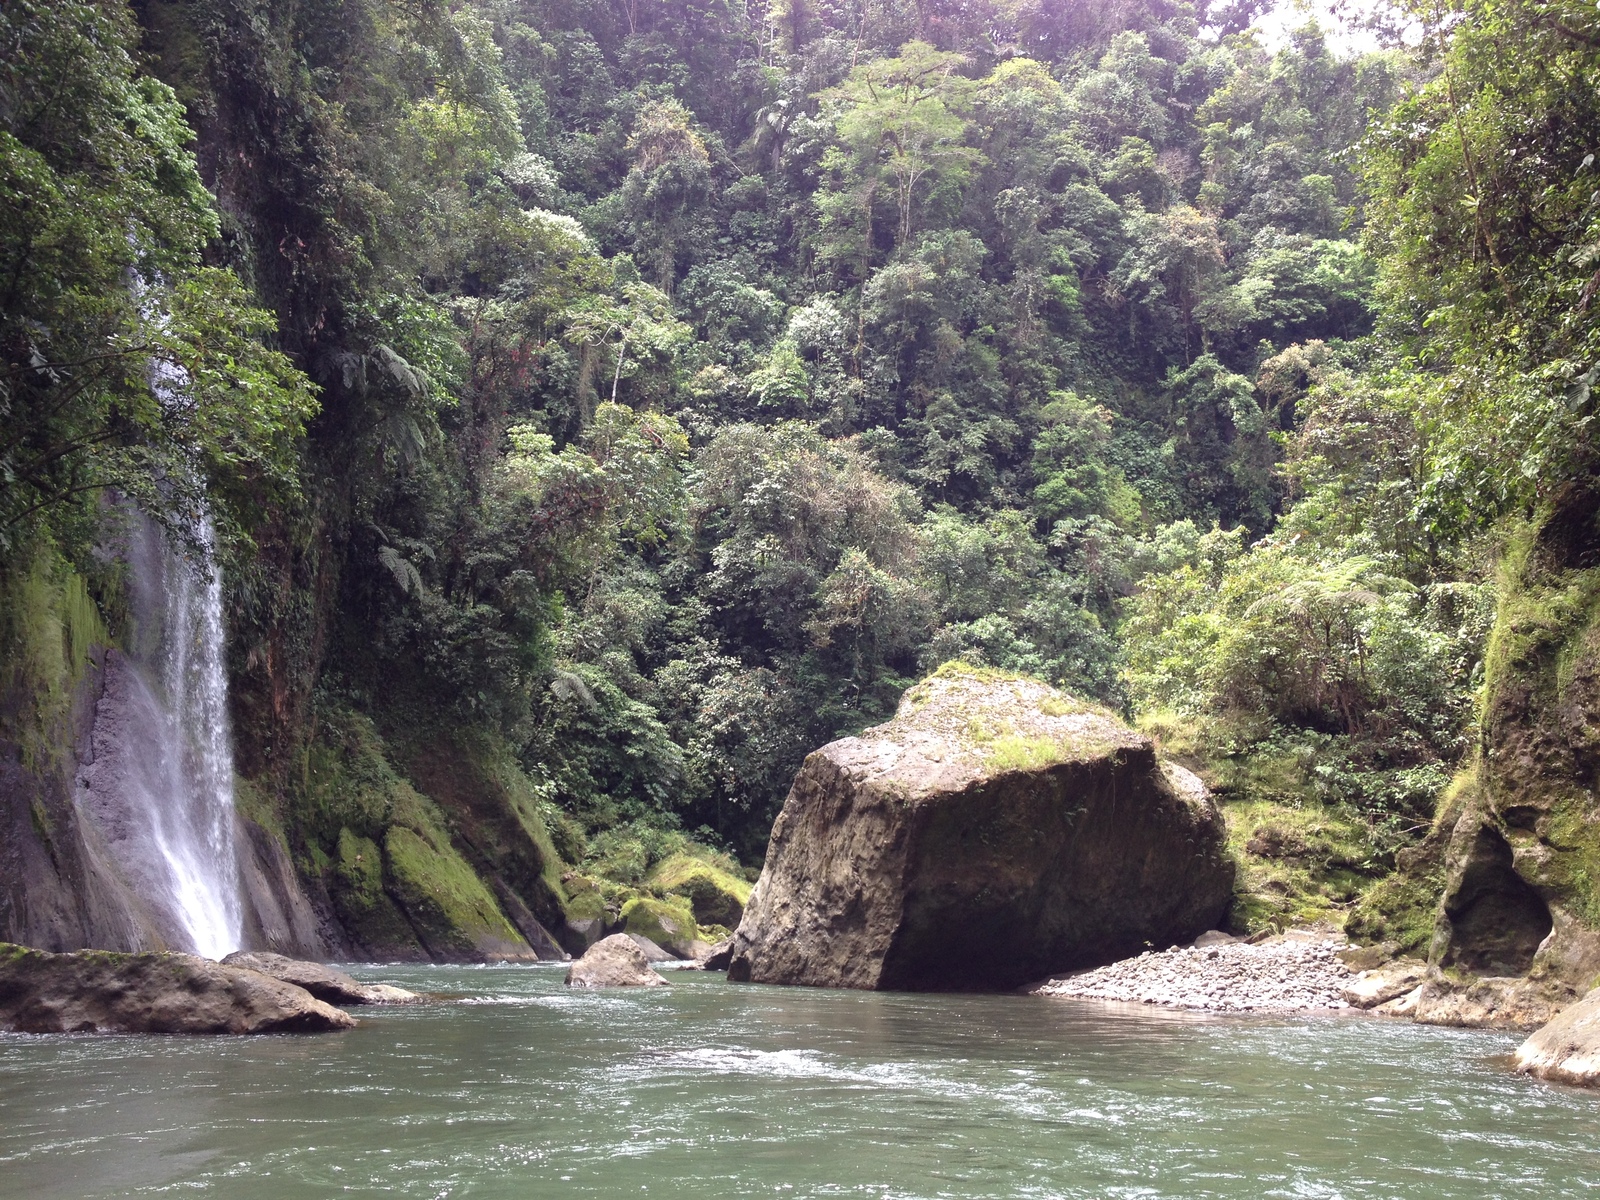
324	982
615	961
97	991
1567	1049
996	831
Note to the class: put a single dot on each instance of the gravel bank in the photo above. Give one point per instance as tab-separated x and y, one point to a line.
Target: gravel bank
1278	976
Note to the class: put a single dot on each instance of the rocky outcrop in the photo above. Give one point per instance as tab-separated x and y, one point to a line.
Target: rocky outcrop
1567	1049
613	962
717	957
95	991
1522	871
1383	984
399	876
995	832
324	982
1493	1002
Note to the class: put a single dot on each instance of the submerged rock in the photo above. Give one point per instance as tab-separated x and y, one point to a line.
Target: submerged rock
1567	1048
323	982
995	832
97	991
615	961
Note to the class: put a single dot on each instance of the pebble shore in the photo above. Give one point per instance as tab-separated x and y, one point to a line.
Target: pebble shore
1277	976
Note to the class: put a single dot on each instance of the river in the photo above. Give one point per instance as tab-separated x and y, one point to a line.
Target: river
709	1089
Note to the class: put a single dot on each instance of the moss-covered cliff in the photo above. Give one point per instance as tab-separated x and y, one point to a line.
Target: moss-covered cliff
1506	882
1522	885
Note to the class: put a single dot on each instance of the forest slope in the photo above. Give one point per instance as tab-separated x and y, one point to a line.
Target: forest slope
603	405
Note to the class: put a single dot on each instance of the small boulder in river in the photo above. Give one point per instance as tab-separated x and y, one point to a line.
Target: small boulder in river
323	982
996	831
96	991
614	961
1567	1050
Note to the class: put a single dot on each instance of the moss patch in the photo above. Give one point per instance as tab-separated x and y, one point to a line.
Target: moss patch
1000	721
450	907
669	924
254	803
1401	909
716	896
1297	865
1572	833
584	901
50	626
363	905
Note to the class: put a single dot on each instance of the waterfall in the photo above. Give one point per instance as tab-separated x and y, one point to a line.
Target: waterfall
159	783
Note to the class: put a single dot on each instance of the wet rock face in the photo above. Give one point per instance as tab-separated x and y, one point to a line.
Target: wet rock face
995	832
95	991
1567	1049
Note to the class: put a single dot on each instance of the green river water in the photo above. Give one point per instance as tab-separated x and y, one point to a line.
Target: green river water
519	1088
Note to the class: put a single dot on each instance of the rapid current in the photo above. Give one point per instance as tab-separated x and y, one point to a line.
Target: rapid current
517	1087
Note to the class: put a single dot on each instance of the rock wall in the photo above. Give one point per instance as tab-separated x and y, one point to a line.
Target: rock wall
1522	861
60	887
473	881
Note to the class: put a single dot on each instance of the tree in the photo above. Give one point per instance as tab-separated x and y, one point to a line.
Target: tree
126	365
1482	206
901	124
668	184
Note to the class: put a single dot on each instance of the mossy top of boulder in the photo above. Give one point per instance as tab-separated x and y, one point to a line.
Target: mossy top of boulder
965	723
717	896
667	924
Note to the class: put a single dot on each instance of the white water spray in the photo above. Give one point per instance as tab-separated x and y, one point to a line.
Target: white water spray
158	782
161	786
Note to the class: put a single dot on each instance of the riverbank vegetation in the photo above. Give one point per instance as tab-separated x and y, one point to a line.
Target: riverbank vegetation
610	403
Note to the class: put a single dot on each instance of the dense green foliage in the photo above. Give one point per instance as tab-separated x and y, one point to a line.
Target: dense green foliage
692	377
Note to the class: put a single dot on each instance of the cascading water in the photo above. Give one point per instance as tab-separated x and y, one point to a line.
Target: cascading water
191	803
160	783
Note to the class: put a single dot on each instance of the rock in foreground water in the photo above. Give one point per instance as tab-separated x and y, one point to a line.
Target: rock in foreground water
1567	1050
615	961
95	991
994	832
322	981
